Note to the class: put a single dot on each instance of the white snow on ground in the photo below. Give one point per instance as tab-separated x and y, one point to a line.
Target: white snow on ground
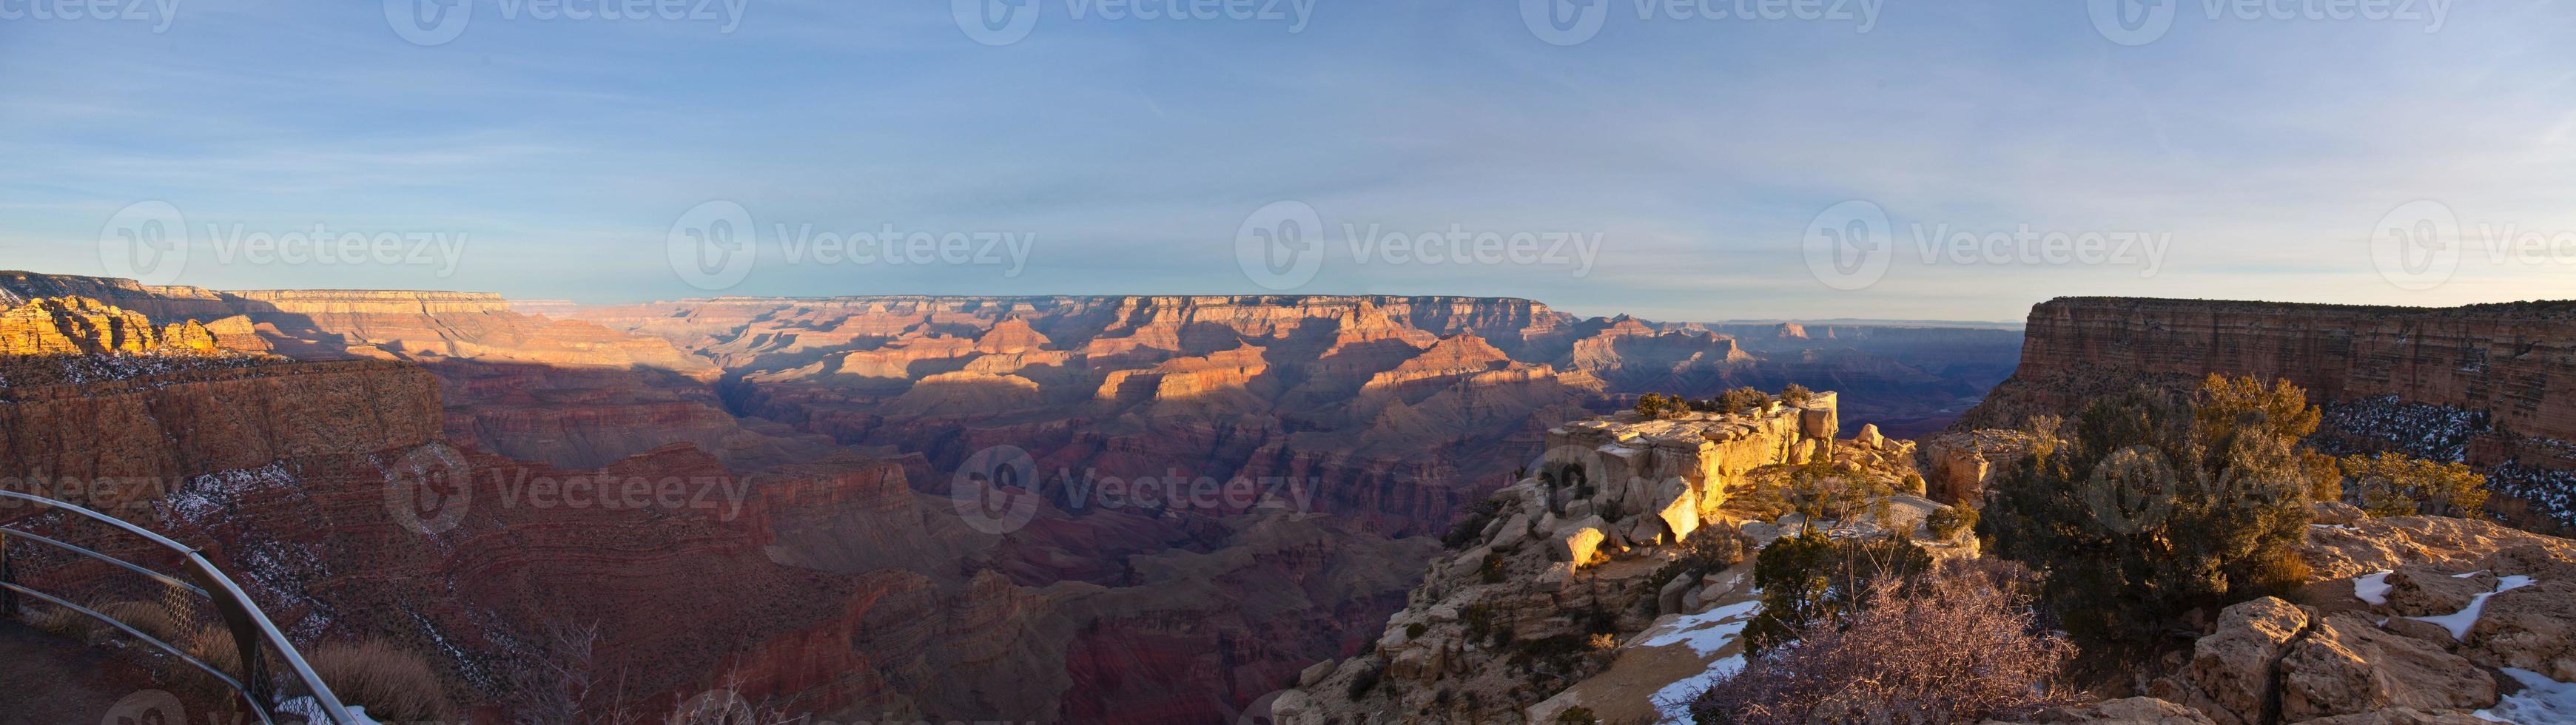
2372	588
2542	700
1673	702
2459	622
1705	632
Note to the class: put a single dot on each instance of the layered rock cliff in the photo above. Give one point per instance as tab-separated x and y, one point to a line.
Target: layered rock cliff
2466	383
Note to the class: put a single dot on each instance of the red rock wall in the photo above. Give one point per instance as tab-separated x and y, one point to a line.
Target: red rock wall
2497	358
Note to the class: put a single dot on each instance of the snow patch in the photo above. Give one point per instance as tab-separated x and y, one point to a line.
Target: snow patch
2459	622
2372	588
1673	702
1705	632
2542	700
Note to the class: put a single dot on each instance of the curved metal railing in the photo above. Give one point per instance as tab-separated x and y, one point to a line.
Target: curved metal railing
242	618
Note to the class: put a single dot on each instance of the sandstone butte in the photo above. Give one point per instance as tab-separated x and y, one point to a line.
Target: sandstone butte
840	574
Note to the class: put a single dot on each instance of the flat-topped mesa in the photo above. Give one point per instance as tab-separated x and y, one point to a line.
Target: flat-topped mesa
1653	482
349	302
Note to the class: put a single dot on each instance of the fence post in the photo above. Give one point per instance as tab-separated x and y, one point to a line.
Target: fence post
8	575
245	633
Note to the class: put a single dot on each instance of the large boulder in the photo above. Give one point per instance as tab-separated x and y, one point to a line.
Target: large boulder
2423	591
1576	541
2402	716
2531	628
2345	665
2230	675
1514	531
1819	422
2127	711
1678	508
1314	674
1869	437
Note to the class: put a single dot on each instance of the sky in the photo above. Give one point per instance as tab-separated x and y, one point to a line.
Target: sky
1677	160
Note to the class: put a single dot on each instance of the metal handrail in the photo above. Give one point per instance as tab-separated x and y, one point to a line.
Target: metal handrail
229	600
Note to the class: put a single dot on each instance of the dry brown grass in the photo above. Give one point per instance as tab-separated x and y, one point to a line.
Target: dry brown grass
394	685
64	623
151	618
1954	647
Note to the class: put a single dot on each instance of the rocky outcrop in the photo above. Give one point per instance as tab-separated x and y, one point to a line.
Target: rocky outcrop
1673	472
1958	466
2273	662
1573	567
84	326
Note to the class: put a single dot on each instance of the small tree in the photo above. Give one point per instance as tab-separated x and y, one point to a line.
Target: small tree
1952	647
1825	490
1796	394
1948	522
2396	484
1809	578
1650	406
2157	505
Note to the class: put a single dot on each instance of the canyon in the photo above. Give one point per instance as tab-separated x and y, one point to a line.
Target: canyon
834	564
1169	508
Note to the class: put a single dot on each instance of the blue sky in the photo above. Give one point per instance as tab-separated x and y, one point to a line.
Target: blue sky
552	158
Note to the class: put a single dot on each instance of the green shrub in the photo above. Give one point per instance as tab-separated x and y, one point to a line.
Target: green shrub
2153	506
1948	522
